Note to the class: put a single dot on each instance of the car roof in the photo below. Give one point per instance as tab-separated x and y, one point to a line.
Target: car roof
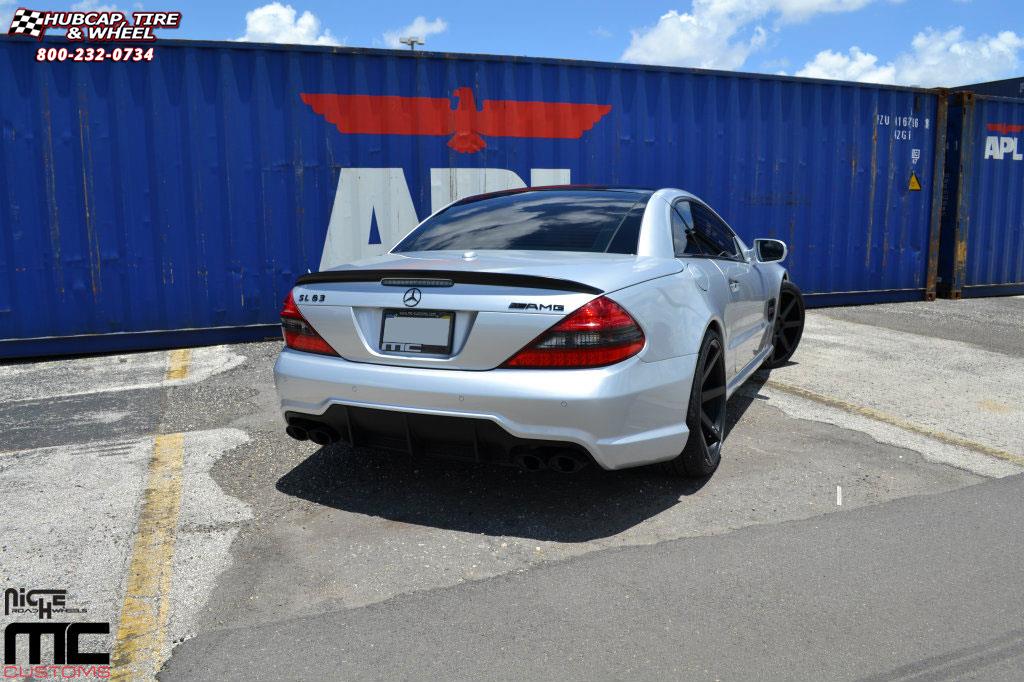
641	192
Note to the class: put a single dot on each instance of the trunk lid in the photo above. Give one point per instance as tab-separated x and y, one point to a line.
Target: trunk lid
500	300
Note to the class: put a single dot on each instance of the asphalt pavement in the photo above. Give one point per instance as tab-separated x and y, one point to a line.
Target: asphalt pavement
160	490
923	588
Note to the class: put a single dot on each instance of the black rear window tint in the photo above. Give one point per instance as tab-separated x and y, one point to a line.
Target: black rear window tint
593	221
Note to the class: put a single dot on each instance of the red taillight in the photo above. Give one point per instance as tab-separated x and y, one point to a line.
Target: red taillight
600	333
298	333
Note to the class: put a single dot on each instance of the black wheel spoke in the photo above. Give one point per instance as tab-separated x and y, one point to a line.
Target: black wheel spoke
788	308
713	393
709	365
792	324
710	425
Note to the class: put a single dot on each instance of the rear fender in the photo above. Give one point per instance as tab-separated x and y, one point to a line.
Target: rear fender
674	313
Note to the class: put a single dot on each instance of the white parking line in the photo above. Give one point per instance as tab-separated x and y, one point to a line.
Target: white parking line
951	402
83	376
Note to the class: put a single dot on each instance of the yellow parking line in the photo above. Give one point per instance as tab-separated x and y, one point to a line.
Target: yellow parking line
138	648
898	422
177	363
142	630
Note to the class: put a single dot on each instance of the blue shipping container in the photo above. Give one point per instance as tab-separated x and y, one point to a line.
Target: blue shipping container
1010	87
983	222
176	201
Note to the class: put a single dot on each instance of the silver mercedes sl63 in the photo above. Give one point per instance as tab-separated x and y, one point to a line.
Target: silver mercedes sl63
545	328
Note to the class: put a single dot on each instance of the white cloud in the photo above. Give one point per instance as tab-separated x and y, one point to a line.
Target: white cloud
947	59
706	38
601	32
854	66
722	34
277	23
420	28
935	58
801	10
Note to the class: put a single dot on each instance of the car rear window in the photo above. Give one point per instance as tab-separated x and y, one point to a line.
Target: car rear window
592	221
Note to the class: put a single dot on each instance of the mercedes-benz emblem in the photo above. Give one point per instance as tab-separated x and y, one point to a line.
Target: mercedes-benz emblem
412	297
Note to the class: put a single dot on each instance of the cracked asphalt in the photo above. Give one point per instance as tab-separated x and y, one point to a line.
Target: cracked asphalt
282	560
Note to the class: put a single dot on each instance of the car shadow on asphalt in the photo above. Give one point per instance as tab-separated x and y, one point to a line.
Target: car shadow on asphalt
489	499
743	398
494	500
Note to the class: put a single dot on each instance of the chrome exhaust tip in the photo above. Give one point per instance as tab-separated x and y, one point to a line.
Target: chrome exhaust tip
530	462
566	463
322	436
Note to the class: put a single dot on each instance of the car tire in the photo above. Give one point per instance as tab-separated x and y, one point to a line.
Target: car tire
788	327
705	413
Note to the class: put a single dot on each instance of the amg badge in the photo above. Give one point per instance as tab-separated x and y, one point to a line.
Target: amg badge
554	307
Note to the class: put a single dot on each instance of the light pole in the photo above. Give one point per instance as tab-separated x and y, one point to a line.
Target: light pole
412	42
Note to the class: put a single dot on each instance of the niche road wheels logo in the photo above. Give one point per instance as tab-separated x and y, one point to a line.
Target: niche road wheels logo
42	603
71	657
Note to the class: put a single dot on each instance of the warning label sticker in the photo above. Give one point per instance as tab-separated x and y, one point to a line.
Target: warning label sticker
915	184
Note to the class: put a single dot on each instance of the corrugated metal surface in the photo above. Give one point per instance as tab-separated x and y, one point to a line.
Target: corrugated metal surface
983	222
188	193
1010	87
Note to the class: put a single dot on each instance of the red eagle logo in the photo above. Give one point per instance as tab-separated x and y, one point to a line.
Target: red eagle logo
392	115
1005	128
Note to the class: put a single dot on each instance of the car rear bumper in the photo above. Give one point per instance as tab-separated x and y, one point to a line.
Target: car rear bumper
628	414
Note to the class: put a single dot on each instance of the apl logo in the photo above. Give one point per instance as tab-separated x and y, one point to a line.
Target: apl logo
467	125
1004	145
373	207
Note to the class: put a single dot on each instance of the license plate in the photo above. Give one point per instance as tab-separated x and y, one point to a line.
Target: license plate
417	331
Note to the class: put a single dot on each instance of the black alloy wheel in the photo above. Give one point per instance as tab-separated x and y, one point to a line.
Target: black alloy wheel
712	399
789	325
705	416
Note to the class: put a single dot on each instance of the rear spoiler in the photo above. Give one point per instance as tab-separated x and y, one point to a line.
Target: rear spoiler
442	278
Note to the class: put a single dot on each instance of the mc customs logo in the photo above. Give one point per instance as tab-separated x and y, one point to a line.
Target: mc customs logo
70	658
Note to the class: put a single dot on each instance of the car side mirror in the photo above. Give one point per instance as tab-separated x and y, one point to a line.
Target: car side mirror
770	250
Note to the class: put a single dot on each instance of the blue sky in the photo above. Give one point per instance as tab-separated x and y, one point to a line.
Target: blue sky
916	42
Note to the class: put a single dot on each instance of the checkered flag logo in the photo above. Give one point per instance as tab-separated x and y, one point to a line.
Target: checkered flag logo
28	22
